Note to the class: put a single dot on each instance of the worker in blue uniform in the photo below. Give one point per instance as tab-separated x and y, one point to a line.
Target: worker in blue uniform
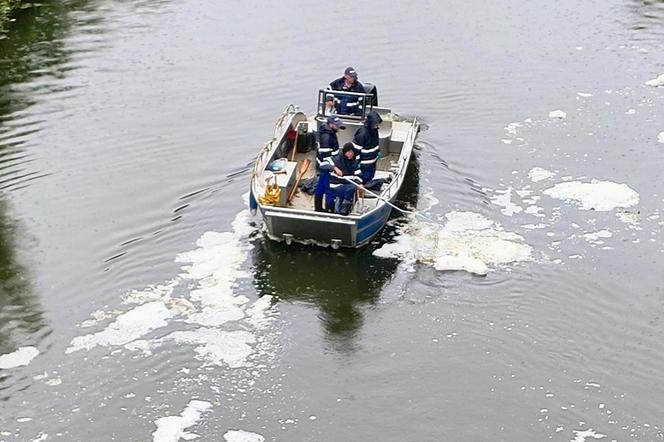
348	104
346	167
366	145
328	145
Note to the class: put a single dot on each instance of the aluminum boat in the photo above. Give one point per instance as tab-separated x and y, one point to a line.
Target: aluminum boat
289	214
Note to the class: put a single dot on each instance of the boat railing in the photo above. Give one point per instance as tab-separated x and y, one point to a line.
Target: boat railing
349	105
404	158
279	129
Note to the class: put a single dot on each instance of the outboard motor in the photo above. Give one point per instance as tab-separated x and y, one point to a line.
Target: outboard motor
370	88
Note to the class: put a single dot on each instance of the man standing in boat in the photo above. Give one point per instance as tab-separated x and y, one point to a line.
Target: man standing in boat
366	145
346	167
348	104
328	145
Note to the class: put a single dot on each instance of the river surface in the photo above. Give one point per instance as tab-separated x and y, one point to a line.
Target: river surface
139	301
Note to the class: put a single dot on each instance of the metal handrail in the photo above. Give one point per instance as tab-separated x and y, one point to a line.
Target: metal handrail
278	129
367	105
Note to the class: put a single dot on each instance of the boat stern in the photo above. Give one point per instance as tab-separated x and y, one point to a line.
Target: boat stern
307	228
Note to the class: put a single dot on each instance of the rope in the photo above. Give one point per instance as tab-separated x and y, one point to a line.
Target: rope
271	195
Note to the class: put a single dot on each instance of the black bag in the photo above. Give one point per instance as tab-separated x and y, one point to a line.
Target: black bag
305	142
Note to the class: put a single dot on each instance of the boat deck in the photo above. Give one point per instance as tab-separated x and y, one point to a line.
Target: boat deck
304	201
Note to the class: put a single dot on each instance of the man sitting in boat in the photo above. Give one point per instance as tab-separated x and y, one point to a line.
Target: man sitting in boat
348	104
328	145
329	108
365	143
346	166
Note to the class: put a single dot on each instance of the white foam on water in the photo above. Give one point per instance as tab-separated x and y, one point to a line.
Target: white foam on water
506	141
229	324
218	347
584	94
151	293
41	437
172	428
504	199
210	317
596	195
19	358
428	201
257	313
464	221
215	266
466	263
660	137
53	382
242	436
582	435
535	211
558	114
390	250
512	128
468	241
537	174
97	317
629	218
630	111
242	226
127	327
596	238
533	226
656	82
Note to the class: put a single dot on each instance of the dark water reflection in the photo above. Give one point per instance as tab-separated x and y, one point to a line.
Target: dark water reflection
336	283
340	284
33	48
21	319
646	19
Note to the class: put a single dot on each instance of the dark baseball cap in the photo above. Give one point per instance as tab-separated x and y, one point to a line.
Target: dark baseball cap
333	119
351	72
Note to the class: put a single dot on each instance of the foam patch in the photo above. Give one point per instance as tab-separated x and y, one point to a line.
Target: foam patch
242	436
537	174
126	328
172	428
558	114
218	347
19	358
468	241
504	200
582	435
596	195
656	82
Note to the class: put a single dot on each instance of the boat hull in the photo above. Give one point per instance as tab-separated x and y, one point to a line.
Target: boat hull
324	229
